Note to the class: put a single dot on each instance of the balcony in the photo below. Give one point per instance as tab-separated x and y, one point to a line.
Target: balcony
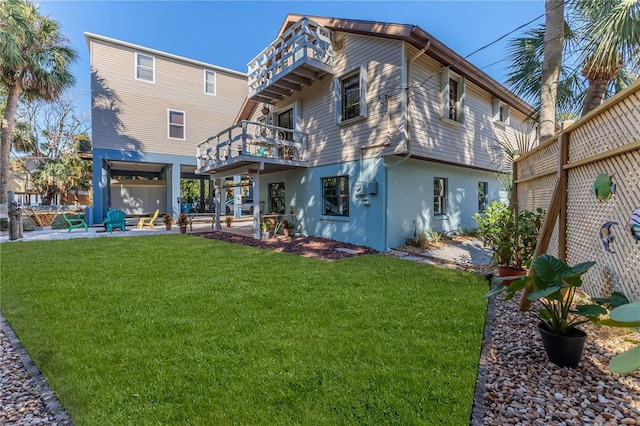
250	147
300	56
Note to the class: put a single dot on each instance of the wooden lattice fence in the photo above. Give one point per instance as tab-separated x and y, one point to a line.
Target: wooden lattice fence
558	176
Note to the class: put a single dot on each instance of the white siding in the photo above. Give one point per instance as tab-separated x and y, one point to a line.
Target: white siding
467	143
331	143
130	114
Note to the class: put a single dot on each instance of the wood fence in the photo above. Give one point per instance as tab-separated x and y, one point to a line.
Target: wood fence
558	176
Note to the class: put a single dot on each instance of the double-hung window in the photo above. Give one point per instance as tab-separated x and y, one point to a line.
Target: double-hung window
210	82
145	67
176	124
439	196
335	196
452	96
350	95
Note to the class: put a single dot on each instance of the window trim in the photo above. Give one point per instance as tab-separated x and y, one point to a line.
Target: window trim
445	76
184	124
443	197
496	105
215	82
346	196
338	95
136	65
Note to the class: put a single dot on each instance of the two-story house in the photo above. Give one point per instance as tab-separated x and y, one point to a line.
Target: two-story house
370	132
149	110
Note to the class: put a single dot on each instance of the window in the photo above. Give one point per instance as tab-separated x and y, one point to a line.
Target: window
276	197
452	95
335	196
351	97
501	113
176	125
285	119
209	82
439	196
483	191
145	67
350	100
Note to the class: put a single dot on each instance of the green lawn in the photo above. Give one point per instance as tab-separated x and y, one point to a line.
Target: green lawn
174	329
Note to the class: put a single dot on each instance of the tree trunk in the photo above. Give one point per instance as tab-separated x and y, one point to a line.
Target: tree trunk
595	94
5	141
553	40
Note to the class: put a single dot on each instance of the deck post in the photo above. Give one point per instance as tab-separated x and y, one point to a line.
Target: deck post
256	206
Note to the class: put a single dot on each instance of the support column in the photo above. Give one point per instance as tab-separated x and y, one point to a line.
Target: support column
173	188
219	193
256	206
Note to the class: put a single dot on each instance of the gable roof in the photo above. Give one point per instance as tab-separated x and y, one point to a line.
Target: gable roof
420	39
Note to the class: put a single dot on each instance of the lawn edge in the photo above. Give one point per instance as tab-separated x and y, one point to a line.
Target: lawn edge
478	407
49	398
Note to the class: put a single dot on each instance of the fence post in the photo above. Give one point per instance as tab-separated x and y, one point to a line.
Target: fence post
554	212
563	176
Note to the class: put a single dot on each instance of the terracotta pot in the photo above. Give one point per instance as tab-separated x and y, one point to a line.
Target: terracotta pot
287	232
228	224
168	226
509	272
183	229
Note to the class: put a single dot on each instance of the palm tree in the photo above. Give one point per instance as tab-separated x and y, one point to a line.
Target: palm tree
596	35
612	32
553	40
34	62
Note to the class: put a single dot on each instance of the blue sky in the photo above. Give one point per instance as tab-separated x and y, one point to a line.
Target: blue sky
230	33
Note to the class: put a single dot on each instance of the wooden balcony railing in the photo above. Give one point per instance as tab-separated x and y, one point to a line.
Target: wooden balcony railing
302	54
251	142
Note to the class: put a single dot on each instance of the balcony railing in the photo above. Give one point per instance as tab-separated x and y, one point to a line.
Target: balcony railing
249	142
302	54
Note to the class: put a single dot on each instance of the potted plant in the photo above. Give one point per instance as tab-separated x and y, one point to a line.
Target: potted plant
288	228
168	220
228	220
265	226
554	284
183	221
511	237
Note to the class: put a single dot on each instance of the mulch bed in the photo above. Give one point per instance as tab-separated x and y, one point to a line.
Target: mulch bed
320	248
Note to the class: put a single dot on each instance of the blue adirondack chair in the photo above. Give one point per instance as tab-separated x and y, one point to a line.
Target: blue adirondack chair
115	219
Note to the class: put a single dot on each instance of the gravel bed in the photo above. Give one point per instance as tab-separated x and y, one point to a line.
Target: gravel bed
524	388
25	398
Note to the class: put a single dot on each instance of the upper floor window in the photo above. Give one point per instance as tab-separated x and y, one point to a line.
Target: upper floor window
210	82
439	196
501	113
176	124
335	196
350	95
452	95
145	67
483	192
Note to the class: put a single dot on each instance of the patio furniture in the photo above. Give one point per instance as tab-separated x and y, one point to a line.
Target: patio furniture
151	222
75	222
115	219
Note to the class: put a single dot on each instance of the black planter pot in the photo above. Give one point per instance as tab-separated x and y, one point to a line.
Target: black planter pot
563	351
